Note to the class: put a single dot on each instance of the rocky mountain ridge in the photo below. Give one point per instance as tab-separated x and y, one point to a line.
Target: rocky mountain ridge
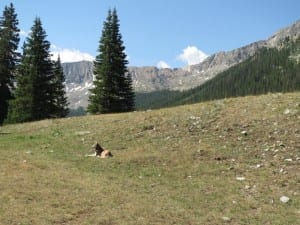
79	75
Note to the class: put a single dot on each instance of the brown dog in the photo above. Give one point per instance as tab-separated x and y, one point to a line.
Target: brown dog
100	152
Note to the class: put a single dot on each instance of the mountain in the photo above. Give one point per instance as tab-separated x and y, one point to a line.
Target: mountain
269	70
79	79
79	75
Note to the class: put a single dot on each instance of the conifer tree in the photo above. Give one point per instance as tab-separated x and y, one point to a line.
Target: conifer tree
35	92
61	101
112	90
9	40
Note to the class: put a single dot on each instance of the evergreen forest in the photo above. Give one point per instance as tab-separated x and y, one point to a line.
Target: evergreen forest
32	85
269	70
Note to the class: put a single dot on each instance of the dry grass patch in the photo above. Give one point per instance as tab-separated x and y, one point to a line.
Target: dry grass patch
225	161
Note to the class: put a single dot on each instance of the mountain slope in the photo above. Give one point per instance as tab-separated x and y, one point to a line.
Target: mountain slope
147	79
225	161
79	79
269	70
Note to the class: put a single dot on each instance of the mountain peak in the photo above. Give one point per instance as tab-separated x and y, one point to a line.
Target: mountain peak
291	32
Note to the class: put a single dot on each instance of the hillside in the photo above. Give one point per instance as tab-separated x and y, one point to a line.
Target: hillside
221	162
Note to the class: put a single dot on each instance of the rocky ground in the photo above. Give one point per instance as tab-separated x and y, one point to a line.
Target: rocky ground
232	161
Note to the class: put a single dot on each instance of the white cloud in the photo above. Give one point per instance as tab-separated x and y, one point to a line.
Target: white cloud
69	55
192	55
162	65
24	33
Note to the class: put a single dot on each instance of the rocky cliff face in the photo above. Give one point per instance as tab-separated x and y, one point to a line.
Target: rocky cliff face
146	79
78	72
79	75
291	32
79	79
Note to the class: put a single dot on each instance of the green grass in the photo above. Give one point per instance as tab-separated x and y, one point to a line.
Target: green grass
171	166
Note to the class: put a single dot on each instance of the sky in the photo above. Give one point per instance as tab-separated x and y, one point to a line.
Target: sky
162	33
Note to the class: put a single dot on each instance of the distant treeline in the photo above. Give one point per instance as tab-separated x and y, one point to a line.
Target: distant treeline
80	111
269	70
155	99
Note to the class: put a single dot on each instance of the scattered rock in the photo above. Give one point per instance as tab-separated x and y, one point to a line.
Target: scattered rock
225	218
259	166
284	199
247	187
281	170
240	178
280	144
195	118
82	132
289	160
244	133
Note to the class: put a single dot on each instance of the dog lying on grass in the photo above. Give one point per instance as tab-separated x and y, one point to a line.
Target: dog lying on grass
100	152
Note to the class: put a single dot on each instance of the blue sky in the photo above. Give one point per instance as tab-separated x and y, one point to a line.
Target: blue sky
157	32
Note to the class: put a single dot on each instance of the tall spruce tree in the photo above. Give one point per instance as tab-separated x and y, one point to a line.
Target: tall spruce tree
61	101
35	92
9	57
112	90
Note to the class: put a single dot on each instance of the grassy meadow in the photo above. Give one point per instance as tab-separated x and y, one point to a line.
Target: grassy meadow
220	162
